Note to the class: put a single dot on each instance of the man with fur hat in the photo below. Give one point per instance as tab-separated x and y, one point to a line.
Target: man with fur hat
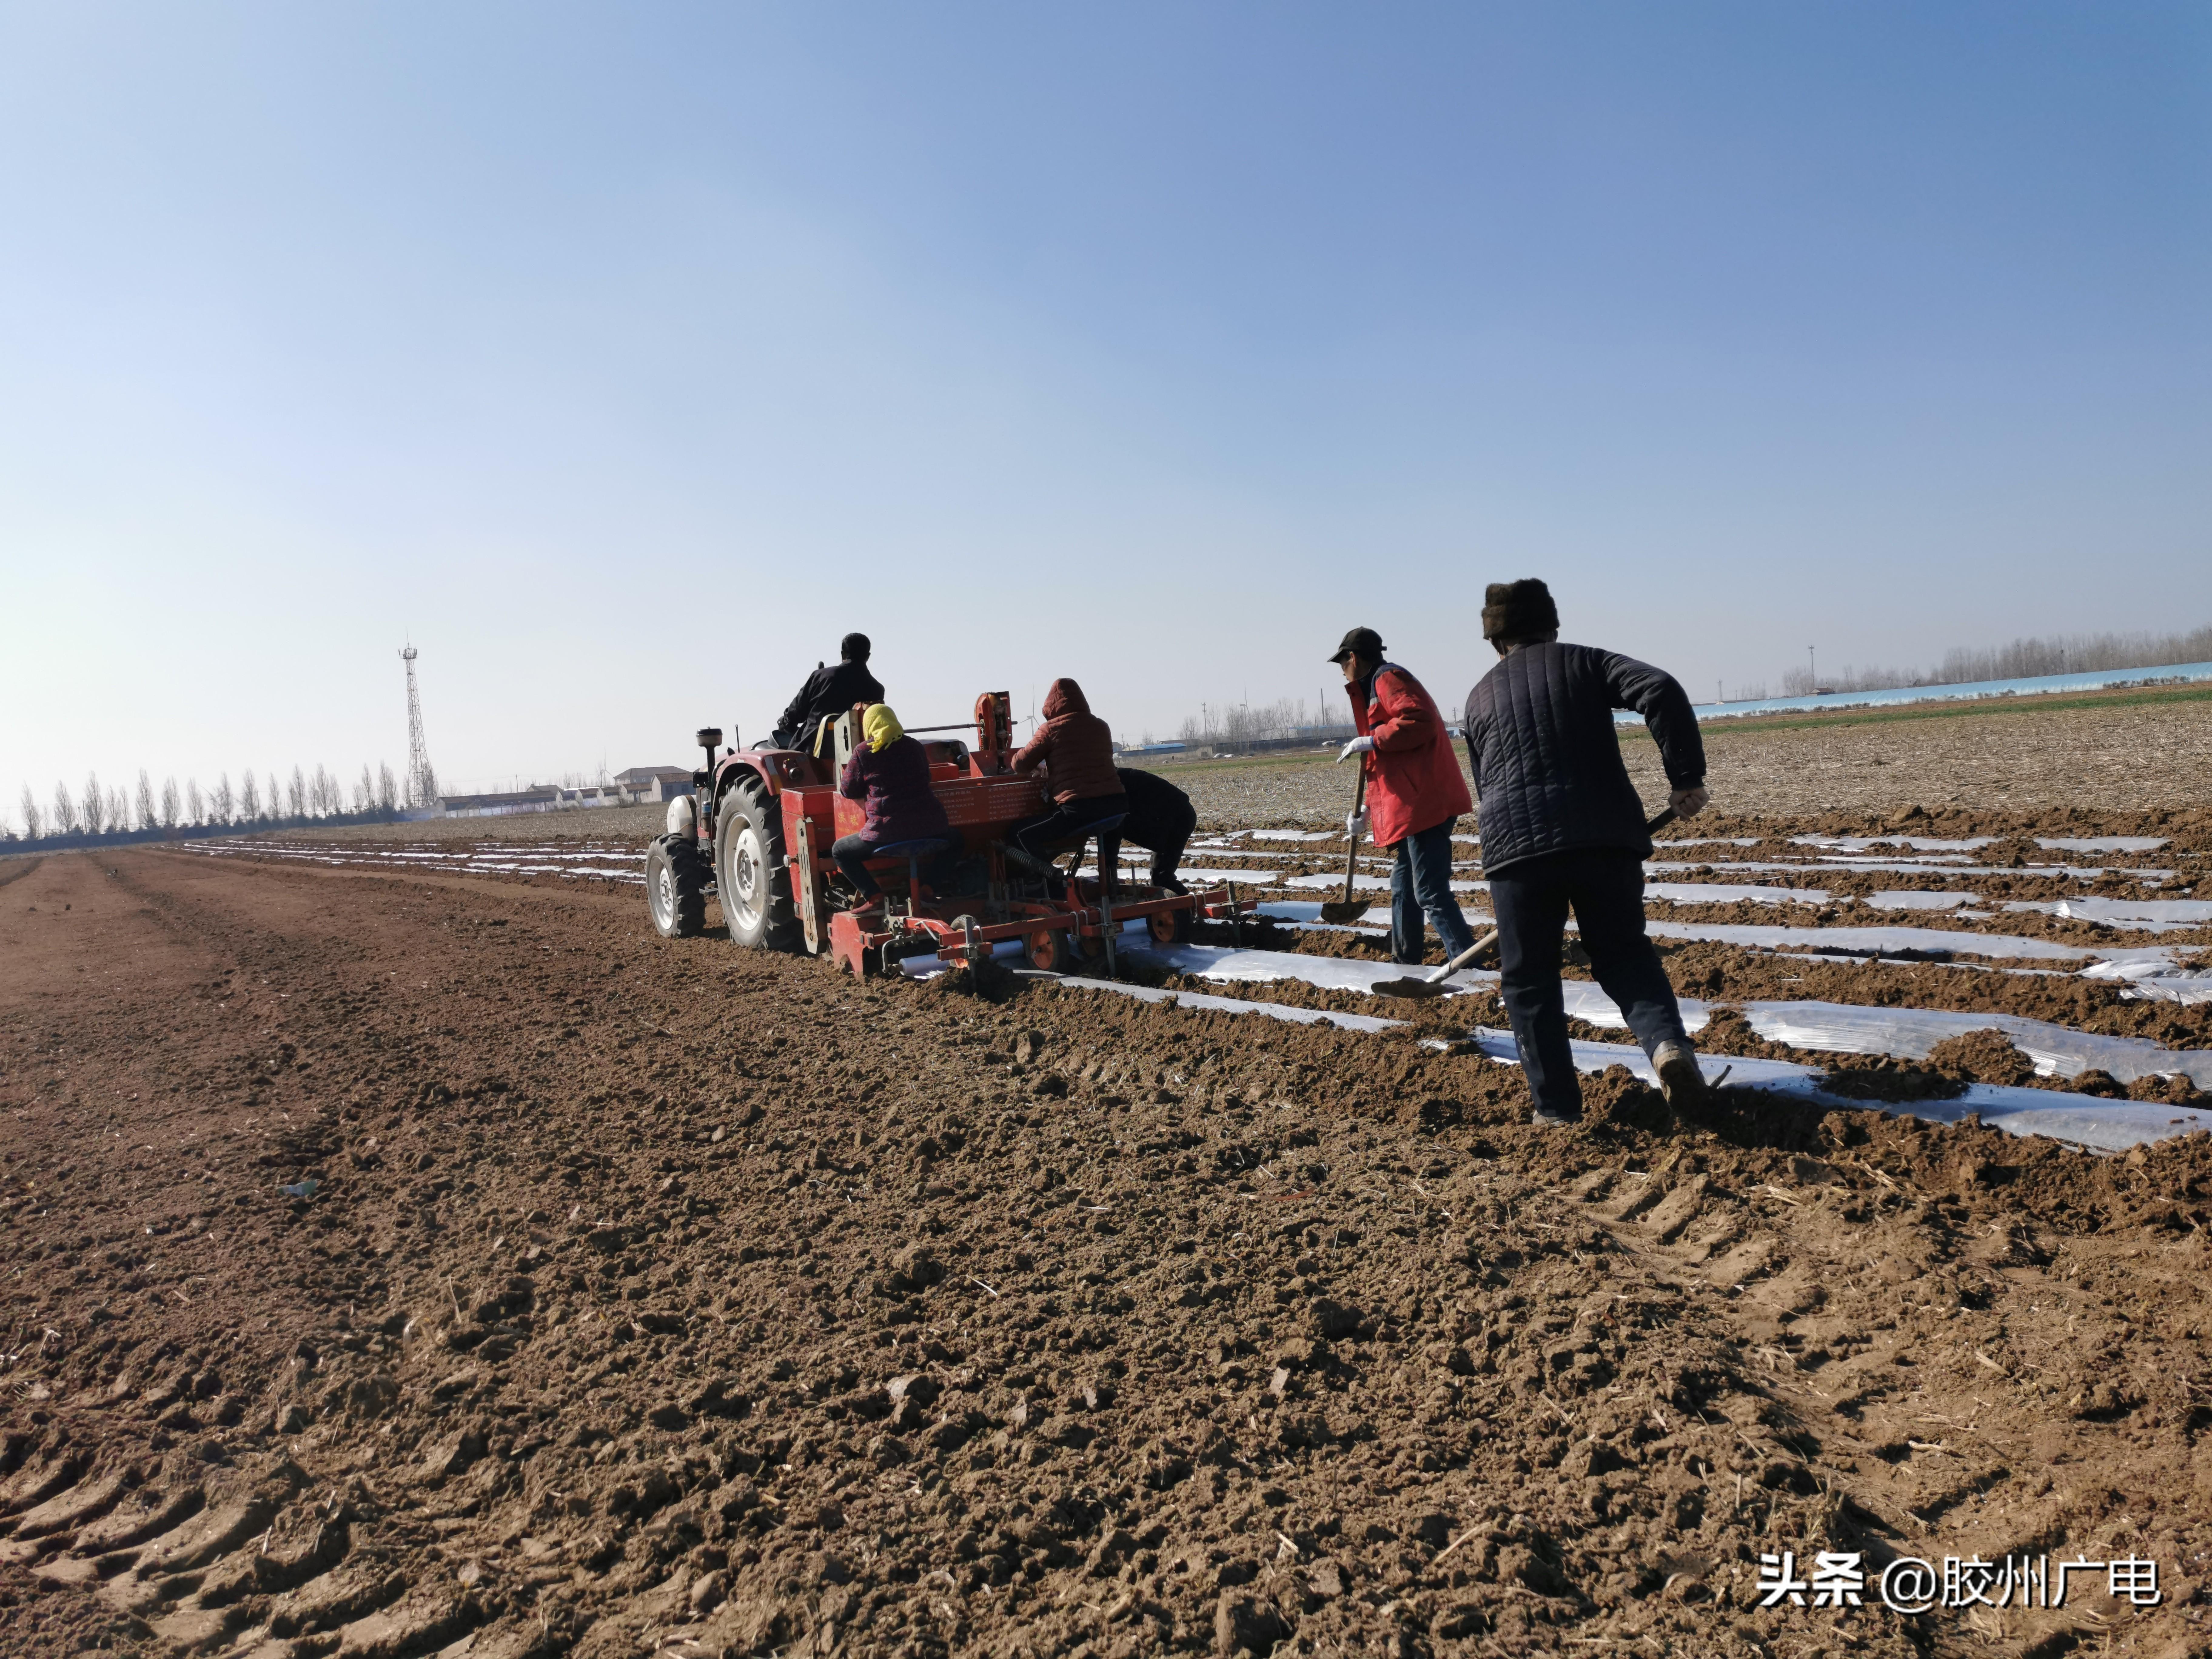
1415	792
1563	829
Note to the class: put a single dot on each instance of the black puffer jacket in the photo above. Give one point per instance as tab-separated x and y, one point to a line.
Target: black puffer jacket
1548	775
828	693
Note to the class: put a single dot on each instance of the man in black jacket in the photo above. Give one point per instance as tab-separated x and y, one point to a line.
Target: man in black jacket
828	693
1562	826
1160	820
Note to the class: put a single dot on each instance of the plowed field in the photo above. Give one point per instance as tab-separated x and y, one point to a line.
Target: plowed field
654	1296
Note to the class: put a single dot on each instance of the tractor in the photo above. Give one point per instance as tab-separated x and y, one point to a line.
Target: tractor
756	832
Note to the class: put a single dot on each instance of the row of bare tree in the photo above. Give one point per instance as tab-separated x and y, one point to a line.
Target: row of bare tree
100	809
2022	660
1284	718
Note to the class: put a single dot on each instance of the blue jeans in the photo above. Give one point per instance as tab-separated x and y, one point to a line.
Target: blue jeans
1421	880
1605	891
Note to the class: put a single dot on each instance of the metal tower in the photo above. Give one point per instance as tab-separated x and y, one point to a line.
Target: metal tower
422	781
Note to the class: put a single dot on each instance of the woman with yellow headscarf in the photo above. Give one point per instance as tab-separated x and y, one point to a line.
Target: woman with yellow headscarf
889	775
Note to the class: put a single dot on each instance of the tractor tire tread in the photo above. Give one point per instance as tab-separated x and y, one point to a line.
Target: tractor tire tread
690	877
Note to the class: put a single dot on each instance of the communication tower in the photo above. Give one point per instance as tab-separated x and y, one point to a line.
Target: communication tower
422	781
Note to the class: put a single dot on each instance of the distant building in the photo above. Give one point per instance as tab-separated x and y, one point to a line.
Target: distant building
638	786
539	798
592	794
654	783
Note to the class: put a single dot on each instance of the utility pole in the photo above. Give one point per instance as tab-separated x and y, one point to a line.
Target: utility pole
1813	667
422	781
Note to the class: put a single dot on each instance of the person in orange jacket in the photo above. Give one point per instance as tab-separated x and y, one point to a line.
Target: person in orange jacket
1415	792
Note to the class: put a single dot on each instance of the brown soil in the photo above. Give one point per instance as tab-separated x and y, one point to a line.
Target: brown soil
658	1293
2150	761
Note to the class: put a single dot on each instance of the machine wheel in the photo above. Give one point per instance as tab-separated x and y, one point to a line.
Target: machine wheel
750	872
1046	949
676	887
1169	926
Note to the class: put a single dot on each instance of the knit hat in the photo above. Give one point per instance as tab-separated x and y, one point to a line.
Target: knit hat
1518	610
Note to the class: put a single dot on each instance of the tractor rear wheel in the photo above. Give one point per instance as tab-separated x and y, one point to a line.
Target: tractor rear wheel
676	887
749	870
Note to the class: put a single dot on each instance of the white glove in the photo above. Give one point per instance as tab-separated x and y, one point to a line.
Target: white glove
1357	746
1355	825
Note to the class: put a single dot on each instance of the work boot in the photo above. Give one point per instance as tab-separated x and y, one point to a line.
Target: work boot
1546	1117
1680	1079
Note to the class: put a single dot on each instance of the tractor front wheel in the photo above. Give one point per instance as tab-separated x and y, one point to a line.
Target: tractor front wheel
748	869
676	887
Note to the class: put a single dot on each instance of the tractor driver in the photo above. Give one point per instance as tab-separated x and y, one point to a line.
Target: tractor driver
828	693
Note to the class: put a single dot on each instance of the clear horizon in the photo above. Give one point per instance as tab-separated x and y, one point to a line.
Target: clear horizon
624	360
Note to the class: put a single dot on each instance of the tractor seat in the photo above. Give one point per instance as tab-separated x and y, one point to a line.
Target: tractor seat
1081	837
914	852
1078	834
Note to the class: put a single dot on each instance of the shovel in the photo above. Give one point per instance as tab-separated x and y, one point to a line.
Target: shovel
1349	909
1433	984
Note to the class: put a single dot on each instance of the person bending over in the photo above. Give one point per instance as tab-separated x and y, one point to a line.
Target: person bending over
1161	819
889	775
828	693
1414	793
1563	829
1075	750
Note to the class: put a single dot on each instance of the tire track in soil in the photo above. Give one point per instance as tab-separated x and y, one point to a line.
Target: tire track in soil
659	1296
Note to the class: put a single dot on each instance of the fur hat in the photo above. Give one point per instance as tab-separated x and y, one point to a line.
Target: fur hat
1518	610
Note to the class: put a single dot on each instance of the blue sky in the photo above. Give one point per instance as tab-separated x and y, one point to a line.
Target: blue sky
624	357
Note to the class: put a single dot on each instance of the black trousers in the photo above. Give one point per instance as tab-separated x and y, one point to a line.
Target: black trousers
1605	890
1064	822
1164	841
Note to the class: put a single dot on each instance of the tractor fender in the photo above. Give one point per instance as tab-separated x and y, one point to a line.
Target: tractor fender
736	772
728	776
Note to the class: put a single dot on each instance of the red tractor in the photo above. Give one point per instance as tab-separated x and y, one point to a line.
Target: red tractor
758	829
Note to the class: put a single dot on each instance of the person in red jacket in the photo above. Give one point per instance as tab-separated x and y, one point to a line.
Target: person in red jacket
1415	792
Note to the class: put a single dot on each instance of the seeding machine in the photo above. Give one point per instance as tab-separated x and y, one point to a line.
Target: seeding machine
757	829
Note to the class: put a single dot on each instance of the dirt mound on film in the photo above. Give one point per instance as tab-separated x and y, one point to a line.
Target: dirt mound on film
1981	1057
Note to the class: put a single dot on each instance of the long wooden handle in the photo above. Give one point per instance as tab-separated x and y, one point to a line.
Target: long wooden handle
1358	805
1464	958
